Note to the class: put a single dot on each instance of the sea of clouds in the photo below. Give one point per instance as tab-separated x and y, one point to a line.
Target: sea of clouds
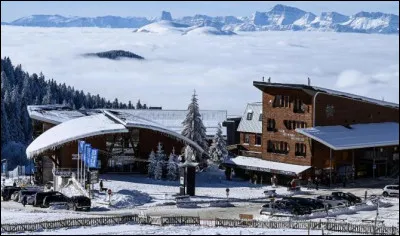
221	69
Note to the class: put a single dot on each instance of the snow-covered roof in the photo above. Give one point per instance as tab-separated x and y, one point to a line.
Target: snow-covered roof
314	89
254	125
56	114
74	129
257	164
132	121
356	136
172	119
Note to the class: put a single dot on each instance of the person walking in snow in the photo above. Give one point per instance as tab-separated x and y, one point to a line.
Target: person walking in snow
101	185
24	200
14	184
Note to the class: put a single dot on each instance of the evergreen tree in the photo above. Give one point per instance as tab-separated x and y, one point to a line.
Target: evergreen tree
129	105
5	135
193	126
218	150
152	164
48	98
138	105
172	168
161	167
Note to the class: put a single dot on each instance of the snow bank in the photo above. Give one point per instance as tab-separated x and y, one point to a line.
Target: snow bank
208	30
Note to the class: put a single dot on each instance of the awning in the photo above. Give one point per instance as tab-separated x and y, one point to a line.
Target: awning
257	164
355	136
73	130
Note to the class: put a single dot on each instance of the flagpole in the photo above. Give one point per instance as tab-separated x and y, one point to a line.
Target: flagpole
77	165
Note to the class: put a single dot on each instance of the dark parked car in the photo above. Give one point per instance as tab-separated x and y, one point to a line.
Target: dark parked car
7	191
55	198
293	207
351	198
79	203
39	197
26	192
310	203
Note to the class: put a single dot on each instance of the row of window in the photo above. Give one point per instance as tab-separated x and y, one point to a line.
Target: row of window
278	146
289	124
293	124
284	101
250	116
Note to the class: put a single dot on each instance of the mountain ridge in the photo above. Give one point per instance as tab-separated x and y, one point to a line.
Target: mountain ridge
278	18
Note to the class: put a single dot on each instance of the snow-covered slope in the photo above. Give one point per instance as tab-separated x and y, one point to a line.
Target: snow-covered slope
164	26
207	30
280	17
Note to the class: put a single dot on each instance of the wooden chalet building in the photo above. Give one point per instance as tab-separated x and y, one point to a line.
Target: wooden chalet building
124	138
302	130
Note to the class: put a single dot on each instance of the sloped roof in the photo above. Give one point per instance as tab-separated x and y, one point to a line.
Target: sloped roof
355	136
252	163
171	119
312	90
74	129
254	125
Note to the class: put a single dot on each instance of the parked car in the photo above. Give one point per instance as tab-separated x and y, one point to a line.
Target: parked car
391	190
284	206
79	203
351	198
332	201
21	194
313	204
7	191
55	198
40	196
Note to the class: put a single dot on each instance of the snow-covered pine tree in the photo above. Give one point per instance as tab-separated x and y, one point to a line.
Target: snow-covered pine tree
189	155
193	125
218	150
161	166
172	168
152	164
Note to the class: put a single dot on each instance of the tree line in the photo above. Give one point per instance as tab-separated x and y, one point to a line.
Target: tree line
20	89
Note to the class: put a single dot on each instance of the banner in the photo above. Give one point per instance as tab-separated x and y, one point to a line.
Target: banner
86	155
93	159
4	167
81	147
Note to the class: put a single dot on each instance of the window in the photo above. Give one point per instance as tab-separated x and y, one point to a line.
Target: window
271	125
246	138
249	115
299	107
278	147
260	117
282	101
258	139
292	124
300	149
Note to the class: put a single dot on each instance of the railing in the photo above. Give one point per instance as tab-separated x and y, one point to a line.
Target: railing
250	153
190	220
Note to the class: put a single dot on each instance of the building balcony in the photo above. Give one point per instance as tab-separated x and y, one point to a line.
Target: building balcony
250	153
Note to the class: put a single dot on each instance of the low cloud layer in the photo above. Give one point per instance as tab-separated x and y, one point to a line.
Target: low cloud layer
221	69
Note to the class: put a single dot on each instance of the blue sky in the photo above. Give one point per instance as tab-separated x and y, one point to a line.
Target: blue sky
12	10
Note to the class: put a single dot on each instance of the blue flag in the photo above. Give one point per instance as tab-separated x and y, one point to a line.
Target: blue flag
87	155
4	167
81	147
93	160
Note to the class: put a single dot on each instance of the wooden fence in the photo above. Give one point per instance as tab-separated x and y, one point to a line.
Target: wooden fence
312	225
190	220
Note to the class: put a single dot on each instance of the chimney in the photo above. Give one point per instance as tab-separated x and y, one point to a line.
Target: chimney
263	78
269	79
309	81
